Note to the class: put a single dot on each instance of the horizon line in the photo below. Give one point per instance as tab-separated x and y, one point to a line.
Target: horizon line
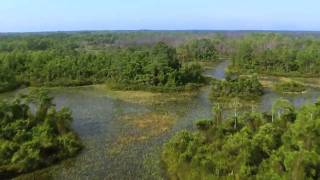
160	30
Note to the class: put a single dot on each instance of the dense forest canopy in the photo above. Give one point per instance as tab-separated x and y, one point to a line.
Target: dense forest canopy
277	54
100	39
34	138
198	50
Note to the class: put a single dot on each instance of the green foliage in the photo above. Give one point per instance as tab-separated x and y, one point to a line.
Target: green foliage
204	124
198	50
32	139
47	61
137	60
7	80
277	54
244	87
257	149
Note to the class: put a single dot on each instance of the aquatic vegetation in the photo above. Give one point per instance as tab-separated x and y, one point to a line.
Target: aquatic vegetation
122	143
32	139
282	144
290	87
145	126
152	165
272	81
309	82
147	97
155	122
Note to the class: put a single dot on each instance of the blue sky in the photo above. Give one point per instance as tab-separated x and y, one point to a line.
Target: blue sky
67	15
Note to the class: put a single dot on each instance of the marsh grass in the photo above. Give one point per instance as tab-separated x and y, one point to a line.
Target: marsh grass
142	127
272	81
155	121
146	97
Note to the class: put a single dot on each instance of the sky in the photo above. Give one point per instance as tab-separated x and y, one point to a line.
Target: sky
71	15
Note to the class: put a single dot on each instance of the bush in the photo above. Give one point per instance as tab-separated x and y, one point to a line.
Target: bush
28	140
204	124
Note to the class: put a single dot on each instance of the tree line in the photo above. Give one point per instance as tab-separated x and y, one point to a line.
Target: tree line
68	59
277	54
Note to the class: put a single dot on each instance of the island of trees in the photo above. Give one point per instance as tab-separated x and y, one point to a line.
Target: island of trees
243	87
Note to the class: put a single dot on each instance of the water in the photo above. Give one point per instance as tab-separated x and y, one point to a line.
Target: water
219	71
110	152
297	100
97	120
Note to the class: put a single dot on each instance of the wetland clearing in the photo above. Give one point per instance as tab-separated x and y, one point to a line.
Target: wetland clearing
123	131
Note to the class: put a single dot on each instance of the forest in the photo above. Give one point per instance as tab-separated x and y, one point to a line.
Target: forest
157	62
277	54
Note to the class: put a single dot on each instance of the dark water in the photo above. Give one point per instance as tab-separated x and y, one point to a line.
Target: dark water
97	121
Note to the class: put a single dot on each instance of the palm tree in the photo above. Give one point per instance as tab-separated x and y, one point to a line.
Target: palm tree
43	102
217	111
236	105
